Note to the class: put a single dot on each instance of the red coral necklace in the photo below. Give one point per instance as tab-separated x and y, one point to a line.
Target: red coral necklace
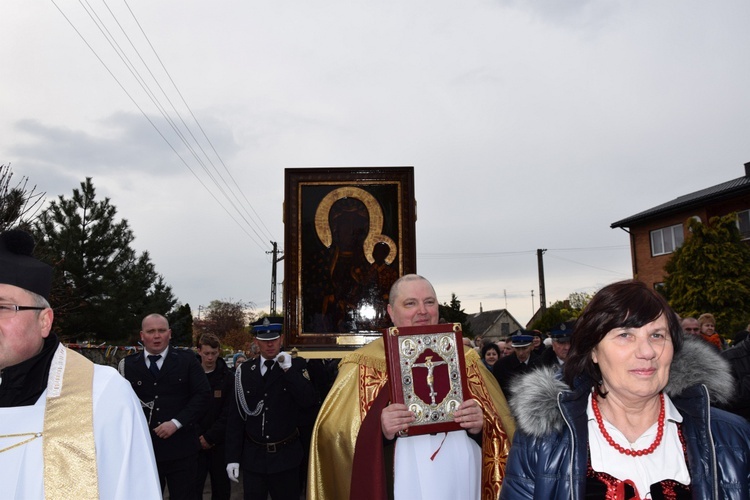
632	453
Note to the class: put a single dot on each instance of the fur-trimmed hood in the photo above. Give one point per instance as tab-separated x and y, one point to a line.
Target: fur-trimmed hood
534	395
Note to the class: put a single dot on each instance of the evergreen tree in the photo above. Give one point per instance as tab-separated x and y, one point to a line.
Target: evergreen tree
102	289
710	272
181	323
452	313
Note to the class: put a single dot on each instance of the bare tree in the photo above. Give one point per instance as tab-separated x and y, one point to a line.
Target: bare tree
225	316
18	204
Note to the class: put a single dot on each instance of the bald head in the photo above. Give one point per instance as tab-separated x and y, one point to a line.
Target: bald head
412	302
154	316
691	326
407	278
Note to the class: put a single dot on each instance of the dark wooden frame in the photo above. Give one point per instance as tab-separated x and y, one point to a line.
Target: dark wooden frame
309	197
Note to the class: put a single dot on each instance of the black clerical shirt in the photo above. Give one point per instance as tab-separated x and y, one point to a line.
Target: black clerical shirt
22	384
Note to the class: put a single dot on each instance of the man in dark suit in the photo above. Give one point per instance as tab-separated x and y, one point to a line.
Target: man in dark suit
739	359
273	393
213	426
175	394
521	361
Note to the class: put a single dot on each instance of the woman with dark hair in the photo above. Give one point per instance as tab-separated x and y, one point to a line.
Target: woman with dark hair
490	354
631	418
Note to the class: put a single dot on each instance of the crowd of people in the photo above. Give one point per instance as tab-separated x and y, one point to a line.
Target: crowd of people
626	402
524	351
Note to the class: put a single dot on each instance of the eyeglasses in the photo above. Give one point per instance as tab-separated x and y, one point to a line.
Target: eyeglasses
689	330
10	310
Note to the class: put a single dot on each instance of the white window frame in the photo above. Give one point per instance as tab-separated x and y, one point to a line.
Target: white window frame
666	239
743	224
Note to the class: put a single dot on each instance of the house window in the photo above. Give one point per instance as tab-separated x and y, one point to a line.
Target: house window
666	240
504	329
743	222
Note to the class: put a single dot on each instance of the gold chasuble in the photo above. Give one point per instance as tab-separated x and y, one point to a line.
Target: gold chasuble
69	450
362	376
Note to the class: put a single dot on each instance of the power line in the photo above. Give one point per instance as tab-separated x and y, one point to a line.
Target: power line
584	249
587	265
486	255
200	127
550	252
471	255
253	223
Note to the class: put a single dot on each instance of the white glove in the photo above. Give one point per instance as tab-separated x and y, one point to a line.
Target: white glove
284	360
233	471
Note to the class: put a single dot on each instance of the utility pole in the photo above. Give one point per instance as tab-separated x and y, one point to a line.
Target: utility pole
276	259
542	292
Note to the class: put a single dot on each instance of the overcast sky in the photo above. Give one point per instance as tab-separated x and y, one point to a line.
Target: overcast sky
529	125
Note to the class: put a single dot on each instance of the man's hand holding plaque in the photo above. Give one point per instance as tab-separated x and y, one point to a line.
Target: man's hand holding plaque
469	415
395	420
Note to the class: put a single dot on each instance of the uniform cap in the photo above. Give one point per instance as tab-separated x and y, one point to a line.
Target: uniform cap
270	331
521	340
563	331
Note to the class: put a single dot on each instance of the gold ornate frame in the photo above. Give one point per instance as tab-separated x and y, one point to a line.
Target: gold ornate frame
337	225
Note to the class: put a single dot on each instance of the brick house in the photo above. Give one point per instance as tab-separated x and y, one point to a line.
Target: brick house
656	233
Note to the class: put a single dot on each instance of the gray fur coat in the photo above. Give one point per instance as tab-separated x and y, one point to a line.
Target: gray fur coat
534	396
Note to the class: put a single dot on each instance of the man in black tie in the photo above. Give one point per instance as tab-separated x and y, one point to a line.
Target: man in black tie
174	394
272	393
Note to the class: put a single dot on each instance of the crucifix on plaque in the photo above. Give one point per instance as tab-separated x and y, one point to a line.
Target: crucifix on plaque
430	375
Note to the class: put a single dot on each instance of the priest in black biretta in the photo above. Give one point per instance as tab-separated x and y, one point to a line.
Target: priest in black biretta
24	361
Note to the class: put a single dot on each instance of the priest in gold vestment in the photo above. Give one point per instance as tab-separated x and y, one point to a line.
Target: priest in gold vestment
355	447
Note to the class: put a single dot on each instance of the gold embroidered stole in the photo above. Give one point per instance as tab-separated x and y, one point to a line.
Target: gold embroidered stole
69	451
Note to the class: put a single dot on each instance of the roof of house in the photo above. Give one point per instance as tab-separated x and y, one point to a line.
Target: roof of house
699	198
482	321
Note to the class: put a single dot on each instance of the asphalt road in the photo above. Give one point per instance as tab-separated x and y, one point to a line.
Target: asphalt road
235	495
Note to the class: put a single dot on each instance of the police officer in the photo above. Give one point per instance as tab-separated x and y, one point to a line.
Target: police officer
560	335
521	361
272	394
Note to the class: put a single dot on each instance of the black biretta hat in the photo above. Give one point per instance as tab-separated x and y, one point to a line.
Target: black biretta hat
19	268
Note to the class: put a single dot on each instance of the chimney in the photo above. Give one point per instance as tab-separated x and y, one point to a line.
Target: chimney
480	308
747	169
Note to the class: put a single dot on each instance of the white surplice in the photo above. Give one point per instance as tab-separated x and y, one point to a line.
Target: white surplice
126	467
455	472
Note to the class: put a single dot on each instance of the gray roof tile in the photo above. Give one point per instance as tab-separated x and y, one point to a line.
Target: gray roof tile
698	198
